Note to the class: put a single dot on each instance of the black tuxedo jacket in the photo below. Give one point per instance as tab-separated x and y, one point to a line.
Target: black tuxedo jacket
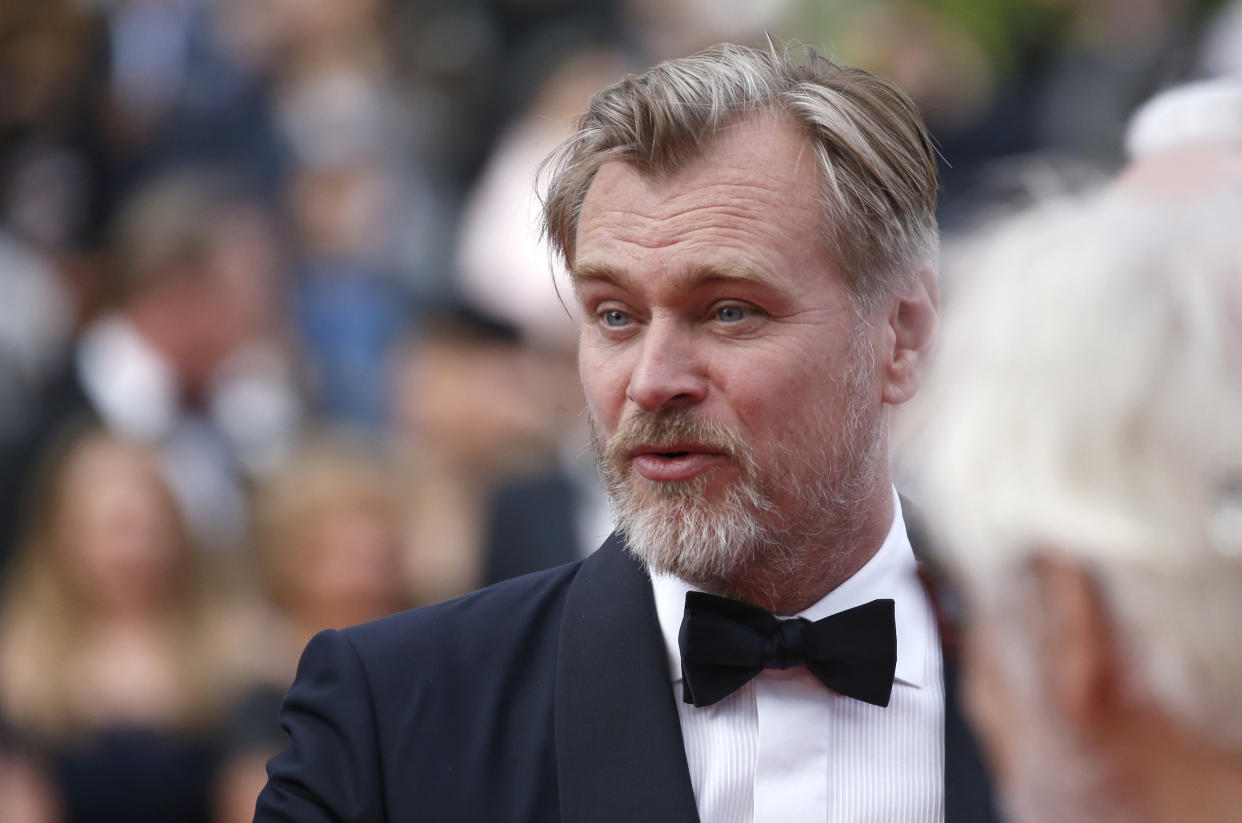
545	698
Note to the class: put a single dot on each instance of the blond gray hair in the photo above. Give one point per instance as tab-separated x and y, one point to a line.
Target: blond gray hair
166	227
1087	401
876	160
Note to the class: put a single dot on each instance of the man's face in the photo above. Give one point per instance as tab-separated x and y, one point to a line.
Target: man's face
729	378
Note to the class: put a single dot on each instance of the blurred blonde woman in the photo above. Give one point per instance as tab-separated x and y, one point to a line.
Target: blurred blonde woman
109	662
331	548
331	542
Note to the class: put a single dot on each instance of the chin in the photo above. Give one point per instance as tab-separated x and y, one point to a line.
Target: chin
700	531
706	489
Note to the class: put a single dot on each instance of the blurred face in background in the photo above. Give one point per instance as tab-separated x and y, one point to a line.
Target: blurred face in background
332	536
233	302
439	386
350	569
117	529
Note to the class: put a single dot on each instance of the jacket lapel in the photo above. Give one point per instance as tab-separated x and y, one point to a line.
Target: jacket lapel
620	755
619	751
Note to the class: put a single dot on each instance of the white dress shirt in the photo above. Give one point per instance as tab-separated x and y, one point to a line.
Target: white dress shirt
785	748
134	390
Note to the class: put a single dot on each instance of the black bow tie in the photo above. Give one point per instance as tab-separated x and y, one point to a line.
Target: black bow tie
725	643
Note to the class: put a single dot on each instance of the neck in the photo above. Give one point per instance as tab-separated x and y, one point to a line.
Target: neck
801	571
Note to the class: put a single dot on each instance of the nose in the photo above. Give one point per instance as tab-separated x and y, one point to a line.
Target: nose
668	372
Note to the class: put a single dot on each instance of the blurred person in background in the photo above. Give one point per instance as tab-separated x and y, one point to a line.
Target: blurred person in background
26	793
553	510
350	307
1030	97
501	263
113	660
331	544
1081	450
174	84
45	69
1186	140
456	450
184	359
369	224
98	98
332	529
669	28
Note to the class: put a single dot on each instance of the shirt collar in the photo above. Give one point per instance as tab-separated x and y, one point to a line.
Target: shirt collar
131	384
891	573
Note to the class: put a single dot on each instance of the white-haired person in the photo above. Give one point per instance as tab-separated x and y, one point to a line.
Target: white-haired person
1186	139
1081	450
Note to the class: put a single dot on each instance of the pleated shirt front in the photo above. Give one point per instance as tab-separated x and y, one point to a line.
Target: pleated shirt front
786	749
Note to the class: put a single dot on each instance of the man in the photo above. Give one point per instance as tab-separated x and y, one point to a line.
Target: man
196	275
1087	404
752	242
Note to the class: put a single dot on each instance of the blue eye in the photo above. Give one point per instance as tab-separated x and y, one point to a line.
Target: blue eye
731	314
615	318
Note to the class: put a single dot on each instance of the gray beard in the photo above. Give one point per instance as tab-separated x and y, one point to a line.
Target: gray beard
673	527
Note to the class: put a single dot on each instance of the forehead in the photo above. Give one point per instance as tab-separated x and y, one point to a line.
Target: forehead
750	200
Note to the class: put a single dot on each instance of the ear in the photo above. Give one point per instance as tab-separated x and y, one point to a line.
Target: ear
1077	656
910	335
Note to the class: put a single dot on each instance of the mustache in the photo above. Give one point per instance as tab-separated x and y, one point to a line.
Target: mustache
673	428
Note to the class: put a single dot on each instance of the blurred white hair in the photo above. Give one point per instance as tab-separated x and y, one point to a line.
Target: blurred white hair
1087	401
1203	111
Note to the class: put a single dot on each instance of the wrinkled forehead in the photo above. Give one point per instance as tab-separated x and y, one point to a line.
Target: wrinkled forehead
757	176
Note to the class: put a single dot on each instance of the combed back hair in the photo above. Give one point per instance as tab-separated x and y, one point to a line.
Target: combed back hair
875	158
167	226
1087	403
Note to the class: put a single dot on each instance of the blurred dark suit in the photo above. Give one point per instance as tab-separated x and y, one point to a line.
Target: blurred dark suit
530	526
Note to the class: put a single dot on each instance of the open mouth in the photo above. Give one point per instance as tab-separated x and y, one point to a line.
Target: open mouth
676	463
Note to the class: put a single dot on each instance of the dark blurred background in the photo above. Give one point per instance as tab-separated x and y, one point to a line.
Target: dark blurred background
280	349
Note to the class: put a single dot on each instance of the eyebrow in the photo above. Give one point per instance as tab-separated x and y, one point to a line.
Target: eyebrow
585	272
582	273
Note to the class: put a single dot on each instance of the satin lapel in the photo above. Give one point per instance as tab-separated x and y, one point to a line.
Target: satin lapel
619	752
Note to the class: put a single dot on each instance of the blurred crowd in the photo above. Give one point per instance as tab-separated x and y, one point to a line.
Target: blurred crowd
281	349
